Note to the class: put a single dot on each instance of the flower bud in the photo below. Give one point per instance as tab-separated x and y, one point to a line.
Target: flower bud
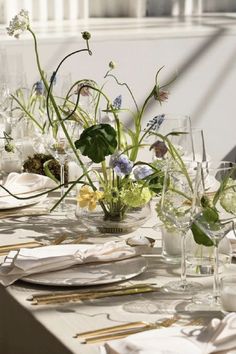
159	148
9	147
112	65
86	35
160	95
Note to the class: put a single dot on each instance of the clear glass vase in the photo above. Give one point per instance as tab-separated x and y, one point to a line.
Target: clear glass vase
97	223
199	258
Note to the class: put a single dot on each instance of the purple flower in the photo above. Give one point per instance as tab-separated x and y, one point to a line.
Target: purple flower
159	148
156	122
117	102
141	172
121	164
39	88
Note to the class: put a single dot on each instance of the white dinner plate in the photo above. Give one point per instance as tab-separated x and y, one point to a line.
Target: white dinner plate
91	274
10	202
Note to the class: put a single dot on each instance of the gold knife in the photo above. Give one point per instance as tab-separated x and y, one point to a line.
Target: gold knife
7	248
51	298
122	331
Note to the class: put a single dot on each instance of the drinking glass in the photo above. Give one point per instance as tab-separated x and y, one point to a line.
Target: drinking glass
58	145
163	124
179	204
4	97
228	292
220	188
190	144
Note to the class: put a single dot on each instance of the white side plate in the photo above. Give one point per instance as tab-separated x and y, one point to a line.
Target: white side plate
10	202
91	274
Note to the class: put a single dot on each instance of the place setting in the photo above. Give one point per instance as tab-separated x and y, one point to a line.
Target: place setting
25	194
73	264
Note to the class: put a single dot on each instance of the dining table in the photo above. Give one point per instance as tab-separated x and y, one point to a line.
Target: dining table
29	328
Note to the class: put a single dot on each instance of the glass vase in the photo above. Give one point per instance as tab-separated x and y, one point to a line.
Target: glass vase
96	222
200	259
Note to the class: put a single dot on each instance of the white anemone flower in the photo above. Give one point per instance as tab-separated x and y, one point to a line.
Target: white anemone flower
18	24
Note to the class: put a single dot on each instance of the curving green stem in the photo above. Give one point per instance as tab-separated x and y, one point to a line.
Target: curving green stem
123	84
57	110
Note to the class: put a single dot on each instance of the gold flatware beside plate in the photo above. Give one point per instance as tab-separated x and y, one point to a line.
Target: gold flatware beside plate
4	250
60	297
121	331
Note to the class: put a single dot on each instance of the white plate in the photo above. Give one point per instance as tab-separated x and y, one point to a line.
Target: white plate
91	274
10	202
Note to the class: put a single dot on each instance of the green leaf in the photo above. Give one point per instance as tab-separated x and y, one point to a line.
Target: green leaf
155	183
97	142
48	172
210	215
200	237
205	202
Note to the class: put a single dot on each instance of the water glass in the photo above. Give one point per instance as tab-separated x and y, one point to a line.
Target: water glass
228	292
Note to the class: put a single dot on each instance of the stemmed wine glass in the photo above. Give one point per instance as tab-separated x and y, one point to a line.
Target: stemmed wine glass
60	148
4	97
179	204
163	124
217	221
189	143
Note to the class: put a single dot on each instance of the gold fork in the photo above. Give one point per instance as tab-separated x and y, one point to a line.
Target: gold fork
121	331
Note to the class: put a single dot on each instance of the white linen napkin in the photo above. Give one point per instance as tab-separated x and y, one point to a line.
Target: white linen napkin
48	258
218	336
19	183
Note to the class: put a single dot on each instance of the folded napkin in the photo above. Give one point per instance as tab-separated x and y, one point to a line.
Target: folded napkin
44	259
218	336
19	183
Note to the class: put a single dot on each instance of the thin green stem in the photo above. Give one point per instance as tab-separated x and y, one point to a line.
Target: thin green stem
28	113
123	84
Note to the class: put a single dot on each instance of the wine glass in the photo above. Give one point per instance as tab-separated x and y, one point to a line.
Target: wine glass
219	187
179	204
4	97
163	124
190	144
57	143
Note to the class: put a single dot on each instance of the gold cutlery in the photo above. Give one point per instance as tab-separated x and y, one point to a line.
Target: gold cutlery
4	250
121	331
58	240
60	297
112	329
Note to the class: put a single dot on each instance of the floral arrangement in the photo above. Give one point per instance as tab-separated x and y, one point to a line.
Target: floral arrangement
120	181
115	178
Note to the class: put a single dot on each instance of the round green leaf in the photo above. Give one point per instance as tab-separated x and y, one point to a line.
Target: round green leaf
97	142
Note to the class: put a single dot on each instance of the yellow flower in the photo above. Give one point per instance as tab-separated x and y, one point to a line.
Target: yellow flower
88	197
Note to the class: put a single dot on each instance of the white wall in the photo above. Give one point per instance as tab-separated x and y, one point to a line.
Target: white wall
205	62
